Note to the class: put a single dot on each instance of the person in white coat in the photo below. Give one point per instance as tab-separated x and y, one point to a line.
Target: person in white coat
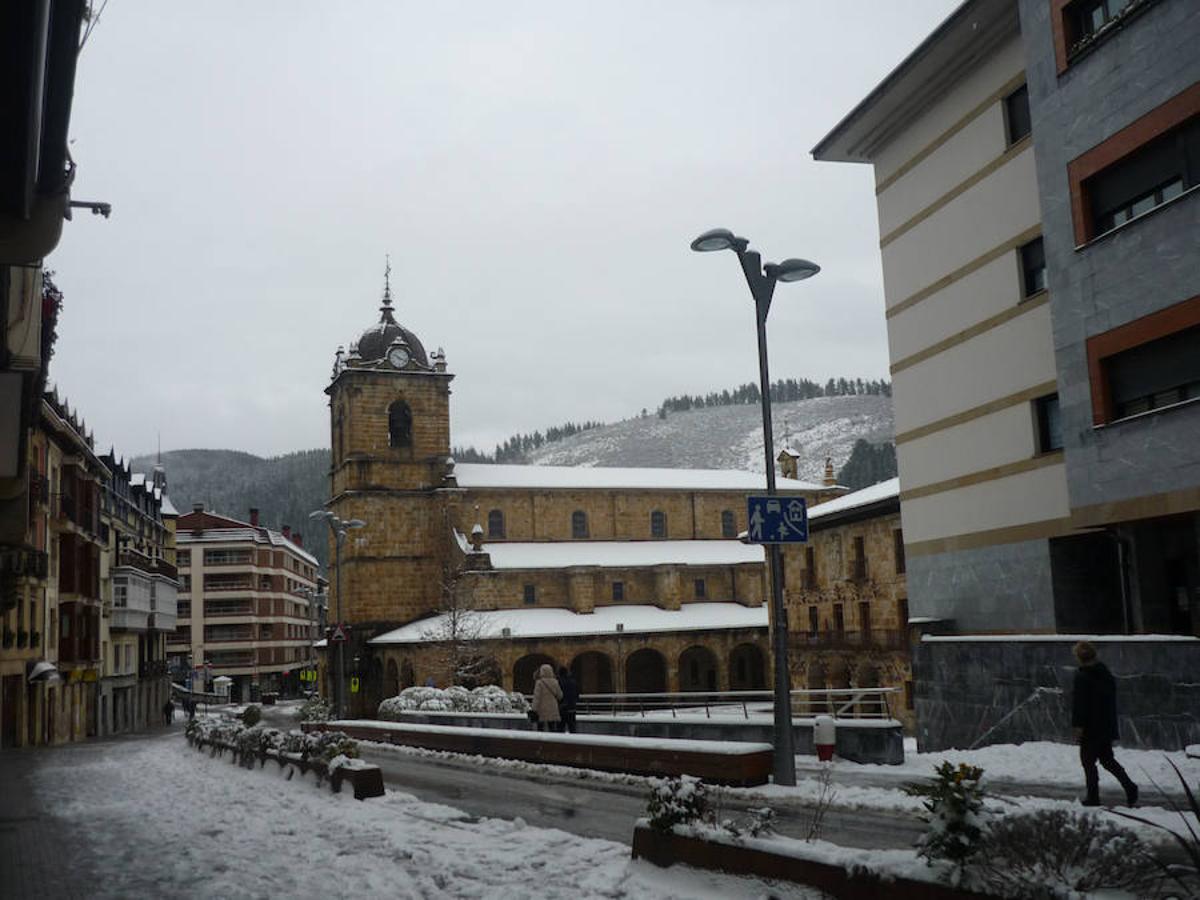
546	694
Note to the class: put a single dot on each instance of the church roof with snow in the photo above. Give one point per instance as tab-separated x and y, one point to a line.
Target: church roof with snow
634	619
616	554
486	475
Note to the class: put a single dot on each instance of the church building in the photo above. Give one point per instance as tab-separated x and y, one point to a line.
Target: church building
473	573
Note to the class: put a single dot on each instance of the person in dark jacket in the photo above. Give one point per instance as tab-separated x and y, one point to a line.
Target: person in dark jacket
1094	720
570	699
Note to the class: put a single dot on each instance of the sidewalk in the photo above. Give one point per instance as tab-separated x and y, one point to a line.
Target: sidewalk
42	856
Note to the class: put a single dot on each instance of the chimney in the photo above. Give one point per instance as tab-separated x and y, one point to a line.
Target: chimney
830	479
254	516
287	531
197	507
298	539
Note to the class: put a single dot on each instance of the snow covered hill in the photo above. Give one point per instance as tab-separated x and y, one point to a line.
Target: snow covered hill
730	437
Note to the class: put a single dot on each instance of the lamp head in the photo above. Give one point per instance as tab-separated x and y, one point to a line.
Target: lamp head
718	239
791	270
320	514
355	523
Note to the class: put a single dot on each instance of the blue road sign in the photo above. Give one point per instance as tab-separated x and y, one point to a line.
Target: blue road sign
777	520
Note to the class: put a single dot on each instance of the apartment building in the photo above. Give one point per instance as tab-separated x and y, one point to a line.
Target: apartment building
1034	165
246	608
140	585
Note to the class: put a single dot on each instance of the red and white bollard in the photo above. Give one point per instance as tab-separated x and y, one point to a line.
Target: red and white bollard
825	737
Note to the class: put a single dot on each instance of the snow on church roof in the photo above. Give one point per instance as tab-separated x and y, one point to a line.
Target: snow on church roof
636	619
561	554
876	493
484	475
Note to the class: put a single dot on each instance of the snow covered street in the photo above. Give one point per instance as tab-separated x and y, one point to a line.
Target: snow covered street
152	817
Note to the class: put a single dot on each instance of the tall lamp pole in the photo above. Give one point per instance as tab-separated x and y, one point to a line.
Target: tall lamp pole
761	281
339	528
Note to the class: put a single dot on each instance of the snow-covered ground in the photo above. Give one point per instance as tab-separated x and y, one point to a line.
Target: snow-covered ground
158	819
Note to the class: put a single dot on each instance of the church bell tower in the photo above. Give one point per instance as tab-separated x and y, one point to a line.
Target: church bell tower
389	408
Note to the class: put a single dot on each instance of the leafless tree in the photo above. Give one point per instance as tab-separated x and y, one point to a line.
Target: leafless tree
455	636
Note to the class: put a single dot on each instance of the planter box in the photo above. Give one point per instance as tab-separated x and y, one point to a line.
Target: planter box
366	780
835	880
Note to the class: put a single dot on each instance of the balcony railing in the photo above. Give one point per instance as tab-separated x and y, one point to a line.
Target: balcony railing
874	639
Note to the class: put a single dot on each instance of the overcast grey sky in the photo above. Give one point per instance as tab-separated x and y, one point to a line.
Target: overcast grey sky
536	171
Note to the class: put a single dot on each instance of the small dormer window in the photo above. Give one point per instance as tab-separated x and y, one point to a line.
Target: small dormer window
728	524
579	524
658	524
495	522
399	425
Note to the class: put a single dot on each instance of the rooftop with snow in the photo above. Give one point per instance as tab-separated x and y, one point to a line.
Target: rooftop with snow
616	554
485	475
635	619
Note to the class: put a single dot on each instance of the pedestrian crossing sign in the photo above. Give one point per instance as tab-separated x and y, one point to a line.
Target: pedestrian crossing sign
777	520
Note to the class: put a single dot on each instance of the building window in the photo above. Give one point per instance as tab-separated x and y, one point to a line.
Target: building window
658	524
530	595
1144	165
1156	375
579	524
1049	423
1079	25
618	591
839	618
858	564
1016	114
1033	267
701	590
898	550
810	567
183	558
120	594
814	620
864	620
728	524
399	425
495	524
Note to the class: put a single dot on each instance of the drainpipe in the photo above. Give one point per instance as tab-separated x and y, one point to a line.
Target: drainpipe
1122	578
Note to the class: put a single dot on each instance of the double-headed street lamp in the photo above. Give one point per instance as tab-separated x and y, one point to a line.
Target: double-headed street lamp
762	280
340	528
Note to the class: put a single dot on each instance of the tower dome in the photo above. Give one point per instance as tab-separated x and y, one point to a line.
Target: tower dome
374	343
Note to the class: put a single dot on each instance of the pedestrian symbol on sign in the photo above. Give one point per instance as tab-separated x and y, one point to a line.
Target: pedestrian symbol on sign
777	520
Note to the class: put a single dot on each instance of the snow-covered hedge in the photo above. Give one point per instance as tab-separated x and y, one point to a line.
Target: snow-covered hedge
487	699
253	743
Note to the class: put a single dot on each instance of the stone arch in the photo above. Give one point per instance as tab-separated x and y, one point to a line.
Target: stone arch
646	672
747	668
866	675
399	425
593	672
697	669
407	677
839	675
391	684
525	671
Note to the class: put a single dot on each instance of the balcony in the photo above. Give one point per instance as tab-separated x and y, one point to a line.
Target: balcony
216	609
20	562
873	639
222	583
127	619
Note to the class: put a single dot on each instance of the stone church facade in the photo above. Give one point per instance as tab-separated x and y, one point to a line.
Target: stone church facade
634	578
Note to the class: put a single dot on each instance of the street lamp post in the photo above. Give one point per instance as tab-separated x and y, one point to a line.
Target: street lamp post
340	528
761	281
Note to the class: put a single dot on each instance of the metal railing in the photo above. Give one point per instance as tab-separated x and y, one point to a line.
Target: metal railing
841	703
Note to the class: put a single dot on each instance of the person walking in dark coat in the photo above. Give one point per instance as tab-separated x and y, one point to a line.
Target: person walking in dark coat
168	712
570	699
1094	720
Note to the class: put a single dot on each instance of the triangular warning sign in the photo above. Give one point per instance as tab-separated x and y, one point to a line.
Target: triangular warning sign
339	635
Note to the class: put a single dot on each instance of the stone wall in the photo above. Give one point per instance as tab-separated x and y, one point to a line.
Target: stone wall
974	691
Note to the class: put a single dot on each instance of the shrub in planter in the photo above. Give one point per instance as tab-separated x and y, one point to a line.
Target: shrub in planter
251	716
954	806
1058	853
315	709
676	801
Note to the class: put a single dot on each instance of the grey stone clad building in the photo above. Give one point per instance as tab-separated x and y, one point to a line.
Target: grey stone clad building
1037	168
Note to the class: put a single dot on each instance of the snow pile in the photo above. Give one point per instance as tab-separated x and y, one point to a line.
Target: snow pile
490	698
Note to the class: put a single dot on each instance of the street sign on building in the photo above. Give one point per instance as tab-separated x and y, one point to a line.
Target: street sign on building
777	520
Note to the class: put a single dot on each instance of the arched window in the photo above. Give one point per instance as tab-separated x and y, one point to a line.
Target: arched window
495	524
579	526
728	524
399	425
658	524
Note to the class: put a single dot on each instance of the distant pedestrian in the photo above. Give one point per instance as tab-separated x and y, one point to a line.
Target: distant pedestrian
429	682
546	695
190	705
570	699
1094	721
168	712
